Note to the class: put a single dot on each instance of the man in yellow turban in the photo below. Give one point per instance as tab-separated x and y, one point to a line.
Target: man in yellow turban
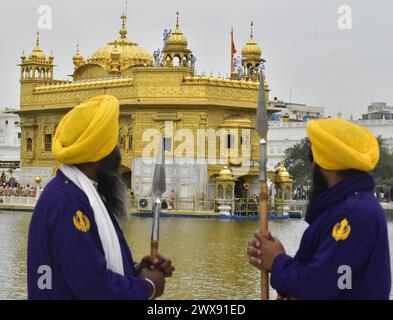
344	253
76	249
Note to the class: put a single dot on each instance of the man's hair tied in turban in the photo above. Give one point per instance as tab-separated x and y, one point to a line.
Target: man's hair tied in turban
89	132
338	144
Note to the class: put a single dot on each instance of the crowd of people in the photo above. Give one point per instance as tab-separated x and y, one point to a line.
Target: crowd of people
16	190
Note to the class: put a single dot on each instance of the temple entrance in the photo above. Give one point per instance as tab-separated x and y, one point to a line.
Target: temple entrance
241	188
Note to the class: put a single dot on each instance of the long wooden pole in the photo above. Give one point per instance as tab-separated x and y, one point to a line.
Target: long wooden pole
155	237
263	211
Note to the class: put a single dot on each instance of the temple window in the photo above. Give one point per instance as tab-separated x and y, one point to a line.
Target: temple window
122	143
48	142
230	141
29	144
130	139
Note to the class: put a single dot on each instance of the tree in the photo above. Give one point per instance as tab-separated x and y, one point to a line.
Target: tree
298	164
383	172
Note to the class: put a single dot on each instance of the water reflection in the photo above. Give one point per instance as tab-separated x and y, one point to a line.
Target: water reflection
209	255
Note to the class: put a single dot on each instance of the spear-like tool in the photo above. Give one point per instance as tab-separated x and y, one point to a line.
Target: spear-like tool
262	127
158	189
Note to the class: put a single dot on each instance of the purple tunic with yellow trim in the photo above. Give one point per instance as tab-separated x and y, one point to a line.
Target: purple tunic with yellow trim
344	253
72	249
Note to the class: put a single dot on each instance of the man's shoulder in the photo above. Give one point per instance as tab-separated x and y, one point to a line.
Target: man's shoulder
361	208
61	193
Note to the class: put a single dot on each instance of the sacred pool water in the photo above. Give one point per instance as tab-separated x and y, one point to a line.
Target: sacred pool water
209	255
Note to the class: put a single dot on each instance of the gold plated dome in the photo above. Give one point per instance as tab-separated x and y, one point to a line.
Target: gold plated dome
225	173
251	49
130	53
37	53
177	38
282	173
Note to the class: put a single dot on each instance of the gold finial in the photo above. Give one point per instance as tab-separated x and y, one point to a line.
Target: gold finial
123	31
38	39
77	48
177	19
252	29
124	20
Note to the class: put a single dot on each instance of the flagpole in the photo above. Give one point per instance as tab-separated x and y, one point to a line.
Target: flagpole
233	51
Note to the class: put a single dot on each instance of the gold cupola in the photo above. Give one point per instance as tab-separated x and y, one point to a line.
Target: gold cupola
131	54
282	173
37	66
120	55
37	54
77	58
251	57
176	48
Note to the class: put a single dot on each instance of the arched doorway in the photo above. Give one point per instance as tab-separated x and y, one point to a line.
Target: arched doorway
241	188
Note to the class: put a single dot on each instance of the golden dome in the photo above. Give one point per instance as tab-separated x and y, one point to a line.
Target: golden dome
177	38
282	173
251	49
77	56
37	53
226	173
129	53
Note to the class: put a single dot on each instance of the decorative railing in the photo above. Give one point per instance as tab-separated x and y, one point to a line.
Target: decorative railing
22	201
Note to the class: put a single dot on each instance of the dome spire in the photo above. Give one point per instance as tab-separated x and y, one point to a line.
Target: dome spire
177	19
38	40
123	30
37	53
252	29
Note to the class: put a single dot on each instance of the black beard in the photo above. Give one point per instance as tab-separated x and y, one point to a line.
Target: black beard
111	186
319	183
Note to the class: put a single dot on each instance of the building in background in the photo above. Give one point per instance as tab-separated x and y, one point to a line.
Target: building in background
378	110
10	133
294	111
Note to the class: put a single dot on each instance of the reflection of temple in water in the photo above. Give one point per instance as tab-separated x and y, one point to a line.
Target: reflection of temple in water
152	92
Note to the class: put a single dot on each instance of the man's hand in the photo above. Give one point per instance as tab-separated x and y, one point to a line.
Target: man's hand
160	263
262	250
158	278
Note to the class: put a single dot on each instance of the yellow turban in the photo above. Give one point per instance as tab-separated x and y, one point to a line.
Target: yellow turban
89	132
338	144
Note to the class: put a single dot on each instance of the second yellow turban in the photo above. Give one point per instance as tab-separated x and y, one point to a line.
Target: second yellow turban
89	132
338	144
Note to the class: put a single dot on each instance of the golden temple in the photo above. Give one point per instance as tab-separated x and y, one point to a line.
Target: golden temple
150	94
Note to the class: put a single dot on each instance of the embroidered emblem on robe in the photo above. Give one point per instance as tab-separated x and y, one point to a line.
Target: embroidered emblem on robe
81	222
341	230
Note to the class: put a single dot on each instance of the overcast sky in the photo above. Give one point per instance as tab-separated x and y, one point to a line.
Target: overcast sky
306	51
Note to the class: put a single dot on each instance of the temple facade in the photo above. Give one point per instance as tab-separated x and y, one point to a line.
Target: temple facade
157	91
